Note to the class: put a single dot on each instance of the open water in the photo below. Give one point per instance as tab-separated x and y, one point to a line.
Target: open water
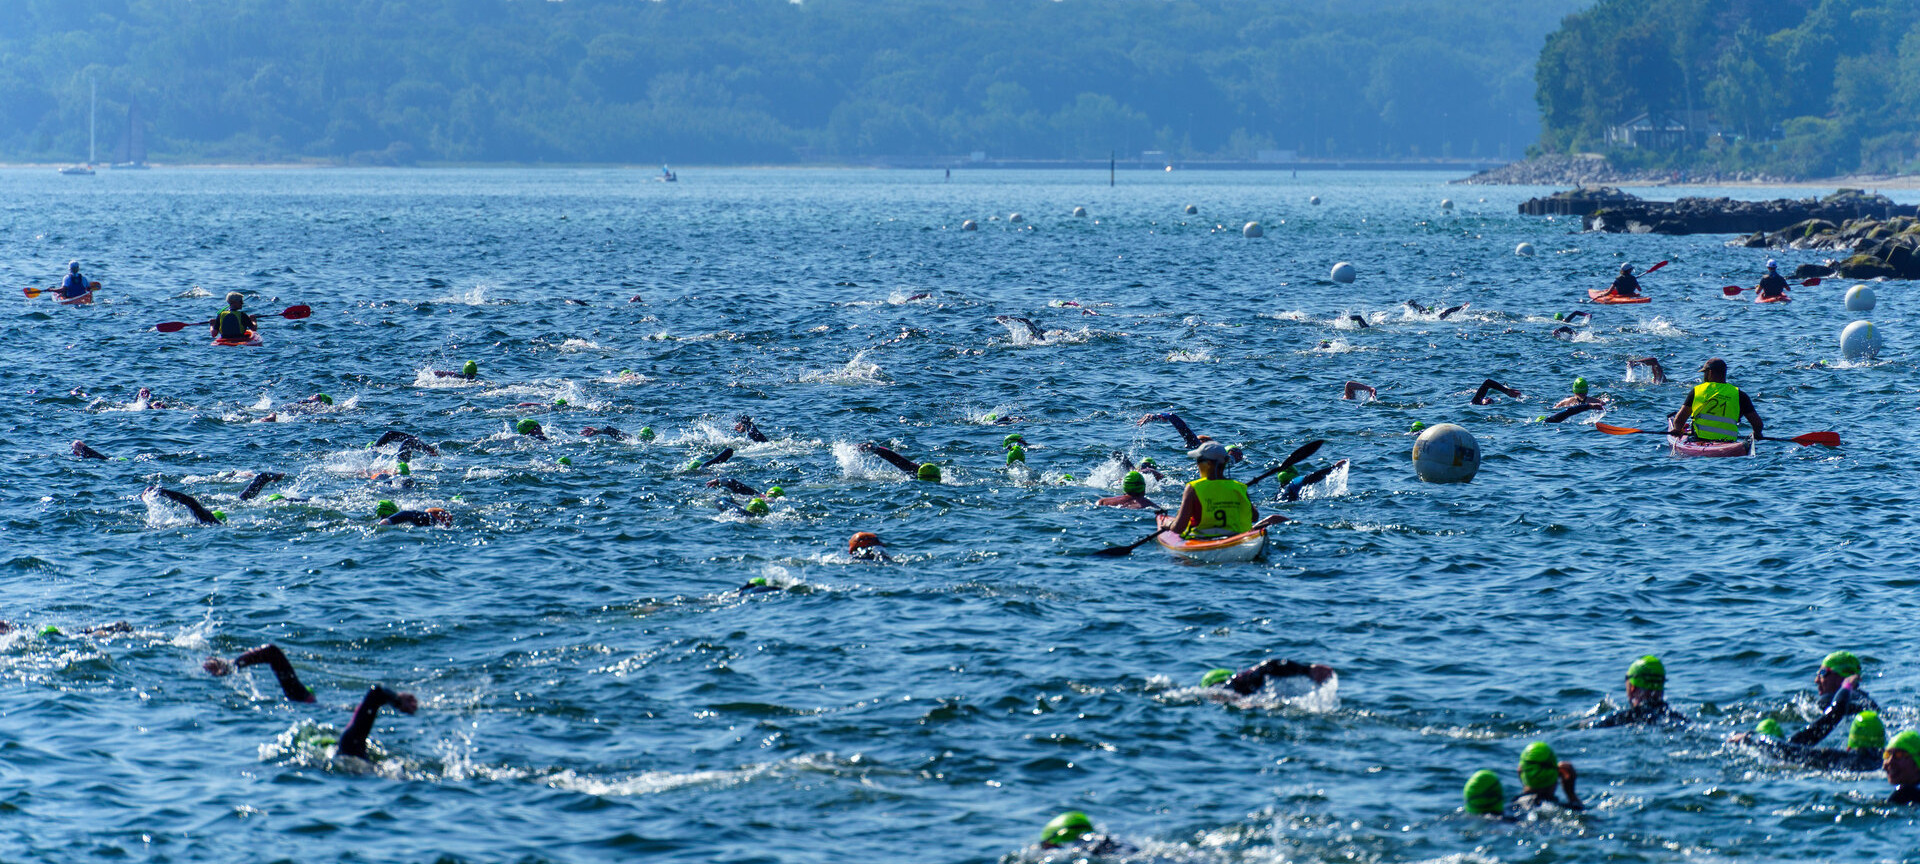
592	691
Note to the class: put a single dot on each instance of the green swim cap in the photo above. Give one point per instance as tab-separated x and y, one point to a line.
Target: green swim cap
1417	426
559	403
646	433
758	580
1867	732
49	630
1770	727
1066	478
220	515
1559	316
527	426
1216	676
276	497
1287	475
1016	453
1147	461
1135	483
625	372
1066	828
470	369
757	507
1908	741
1580	386
564	460
692	465
1843	664
1483	793
1648	673
990	418
325	399
385	508
1011	440
776	492
928	471
1539	767
403	469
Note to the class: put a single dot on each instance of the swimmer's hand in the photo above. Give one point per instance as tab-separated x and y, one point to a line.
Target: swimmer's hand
217	667
407	703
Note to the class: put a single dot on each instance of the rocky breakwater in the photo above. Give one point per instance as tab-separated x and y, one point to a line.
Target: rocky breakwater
1610	210
1873	248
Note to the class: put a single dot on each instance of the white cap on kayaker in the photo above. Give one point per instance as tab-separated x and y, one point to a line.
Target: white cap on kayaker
1212	451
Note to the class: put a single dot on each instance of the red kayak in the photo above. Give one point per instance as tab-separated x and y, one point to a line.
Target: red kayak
252	341
1687	449
1777	298
1606	295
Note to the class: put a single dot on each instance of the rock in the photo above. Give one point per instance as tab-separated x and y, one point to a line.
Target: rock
1812	271
1866	267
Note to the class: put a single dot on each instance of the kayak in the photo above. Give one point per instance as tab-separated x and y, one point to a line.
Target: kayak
252	341
1779	298
1239	547
1685	449
82	300
1606	295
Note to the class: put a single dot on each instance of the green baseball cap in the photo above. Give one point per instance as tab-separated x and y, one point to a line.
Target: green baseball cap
1484	794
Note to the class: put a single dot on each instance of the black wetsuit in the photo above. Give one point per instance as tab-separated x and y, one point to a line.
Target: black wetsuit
1772	285
734	486
418	518
200	513
1098	844
1527	801
896	460
1842	704
753	432
81	450
409	445
1905	795
1248	681
1180	426
717	460
282	670
1649	713
608	431
1581	408
1625	286
353	742
1032	330
1823	758
750	589
260	482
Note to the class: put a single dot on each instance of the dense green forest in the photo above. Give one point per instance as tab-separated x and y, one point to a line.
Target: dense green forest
1794	87
730	81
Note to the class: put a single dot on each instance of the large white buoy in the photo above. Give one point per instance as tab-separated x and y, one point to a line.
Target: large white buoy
1860	299
1192	210
1079	212
1314	200
969	225
1016	218
1446	453
1859	340
1343	272
1524	250
1253	229
1446	203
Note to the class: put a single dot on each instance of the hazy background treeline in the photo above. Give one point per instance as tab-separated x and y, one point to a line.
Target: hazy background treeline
773	81
1795	87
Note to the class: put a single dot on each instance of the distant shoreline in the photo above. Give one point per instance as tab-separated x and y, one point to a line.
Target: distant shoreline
878	165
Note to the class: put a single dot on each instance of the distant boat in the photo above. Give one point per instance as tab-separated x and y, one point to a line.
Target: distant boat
93	103
667	175
132	155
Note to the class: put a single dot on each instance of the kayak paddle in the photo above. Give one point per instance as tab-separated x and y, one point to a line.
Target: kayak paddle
1123	551
36	292
1734	290
293	313
1301	455
1824	439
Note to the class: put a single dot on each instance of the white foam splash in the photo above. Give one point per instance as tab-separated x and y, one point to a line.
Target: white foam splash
574	346
1334	486
424	377
164	513
857	371
856	464
1199	355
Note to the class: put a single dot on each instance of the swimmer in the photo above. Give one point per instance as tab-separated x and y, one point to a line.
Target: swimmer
1248	681
1358	321
1484	794
353	742
260	482
1290	487
758	585
866	546
271	655
1540	772
734	486
695	466
1901	761
82	451
1866	738
1428	310
1480	396
205	516
1578	403
530	428
1354	388
1033	330
1646	698
606	431
1134	487
1073	830
745	426
1653	365
115	628
1564	332
1838	682
1015	445
409	445
918	470
1573	317
470	371
430	517
145	397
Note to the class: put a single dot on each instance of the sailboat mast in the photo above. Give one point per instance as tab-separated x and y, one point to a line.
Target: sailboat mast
93	103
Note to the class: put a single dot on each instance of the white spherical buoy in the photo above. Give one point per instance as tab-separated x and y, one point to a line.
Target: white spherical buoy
1016	218
1315	200
1446	453
1253	229
1343	272
969	225
1860	299
1859	340
1446	203
1192	210
1079	212
1524	250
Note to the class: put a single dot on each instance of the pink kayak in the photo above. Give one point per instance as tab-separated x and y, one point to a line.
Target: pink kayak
1685	448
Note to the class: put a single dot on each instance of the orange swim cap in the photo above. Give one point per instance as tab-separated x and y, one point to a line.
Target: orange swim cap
863	540
440	517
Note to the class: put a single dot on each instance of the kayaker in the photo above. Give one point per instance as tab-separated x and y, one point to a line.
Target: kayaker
353	742
1652	365
1773	284
1248	681
1073	830
1355	387
1901	761
427	518
232	324
82	451
275	659
1714	408
918	470
1578	403
1134	494
1646	698
75	285
753	433
1838	683
200	513
1866	738
1540	772
1480	396
1625	285
470	371
866	546
410	445
1214	506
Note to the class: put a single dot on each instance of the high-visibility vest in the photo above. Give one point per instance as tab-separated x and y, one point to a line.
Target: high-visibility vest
1225	509
1716	411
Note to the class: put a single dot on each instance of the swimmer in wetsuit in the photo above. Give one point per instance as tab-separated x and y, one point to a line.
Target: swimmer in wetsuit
1866	737
1484	795
1653	366
469	371
1646	698
82	451
734	486
606	431
1248	681
1578	403
260	482
409	445
430	517
745	426
1134	497
1073	830
1428	310
275	659
1838	682
695	466
927	471
1540	772
353	742
1901	761
200	513
1480	396
866	546
758	585
1354	388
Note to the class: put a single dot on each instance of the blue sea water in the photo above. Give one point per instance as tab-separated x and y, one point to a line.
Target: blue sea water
592	690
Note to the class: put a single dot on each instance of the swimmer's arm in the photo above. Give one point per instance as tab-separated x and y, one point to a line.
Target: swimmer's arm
260	482
1678	424
282	670
1354	387
892	458
205	516
353	742
1179	425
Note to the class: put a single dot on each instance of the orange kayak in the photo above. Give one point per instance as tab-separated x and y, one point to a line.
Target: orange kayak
1604	295
1239	547
252	341
1778	298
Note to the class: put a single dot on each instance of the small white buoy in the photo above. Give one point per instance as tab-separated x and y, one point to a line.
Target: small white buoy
1192	210
1446	203
1859	340
1016	218
1079	212
1315	200
1524	250
969	225
1253	229
1860	299
1446	453
1343	272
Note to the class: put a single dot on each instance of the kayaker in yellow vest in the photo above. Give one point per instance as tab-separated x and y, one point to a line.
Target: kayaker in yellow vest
232	324
1214	506
1714	409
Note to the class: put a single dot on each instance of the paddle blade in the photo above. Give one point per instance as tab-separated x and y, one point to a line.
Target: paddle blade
1810	282
1306	450
171	326
32	292
297	312
1824	439
1617	430
1115	552
1732	290
1655	267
